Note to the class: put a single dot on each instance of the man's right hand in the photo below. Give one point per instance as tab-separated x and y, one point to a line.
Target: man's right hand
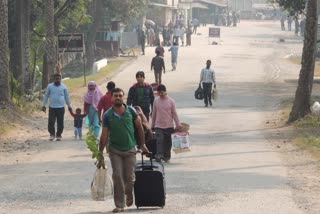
44	109
144	149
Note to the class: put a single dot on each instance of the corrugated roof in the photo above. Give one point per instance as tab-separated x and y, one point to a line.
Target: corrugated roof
199	5
221	3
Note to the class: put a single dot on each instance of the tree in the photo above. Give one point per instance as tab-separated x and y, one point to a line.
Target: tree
4	52
301	105
294	7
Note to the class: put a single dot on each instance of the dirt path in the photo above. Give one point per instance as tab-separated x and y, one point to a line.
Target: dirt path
240	162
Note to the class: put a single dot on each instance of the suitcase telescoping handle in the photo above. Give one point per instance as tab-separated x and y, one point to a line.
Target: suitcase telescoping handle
146	153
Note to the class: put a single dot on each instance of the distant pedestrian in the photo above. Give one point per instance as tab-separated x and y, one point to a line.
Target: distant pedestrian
143	41
182	31
164	120
77	122
188	35
289	20
296	26
207	78
58	95
157	64
195	23
282	20
119	123
141	94
105	101
91	100
160	49
174	56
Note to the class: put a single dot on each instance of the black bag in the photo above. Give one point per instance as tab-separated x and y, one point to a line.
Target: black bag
149	186
152	147
198	94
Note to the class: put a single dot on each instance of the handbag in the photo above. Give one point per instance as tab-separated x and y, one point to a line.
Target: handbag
198	94
101	185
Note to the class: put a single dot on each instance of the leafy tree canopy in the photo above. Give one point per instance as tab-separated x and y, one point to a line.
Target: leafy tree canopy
294	7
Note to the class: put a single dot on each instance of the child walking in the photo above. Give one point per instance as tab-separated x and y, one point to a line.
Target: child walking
78	120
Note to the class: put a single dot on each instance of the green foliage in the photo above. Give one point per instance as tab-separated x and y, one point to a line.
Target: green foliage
15	91
294	7
93	145
309	121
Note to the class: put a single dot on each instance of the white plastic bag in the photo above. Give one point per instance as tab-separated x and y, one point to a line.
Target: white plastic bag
180	142
315	109
101	185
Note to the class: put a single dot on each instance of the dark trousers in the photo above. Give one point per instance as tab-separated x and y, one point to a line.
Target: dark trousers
157	76
146	113
164	143
56	114
207	89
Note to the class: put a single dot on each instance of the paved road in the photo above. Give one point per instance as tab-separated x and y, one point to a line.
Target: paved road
232	168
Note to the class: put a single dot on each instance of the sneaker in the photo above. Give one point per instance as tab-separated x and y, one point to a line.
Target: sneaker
51	137
58	138
210	103
206	105
118	210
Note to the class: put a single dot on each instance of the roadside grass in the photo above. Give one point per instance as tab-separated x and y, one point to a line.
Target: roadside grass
77	86
306	133
297	60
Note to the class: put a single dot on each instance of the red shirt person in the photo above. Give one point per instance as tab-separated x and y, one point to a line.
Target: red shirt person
105	101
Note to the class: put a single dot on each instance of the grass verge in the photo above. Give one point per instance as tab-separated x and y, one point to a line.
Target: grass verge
306	134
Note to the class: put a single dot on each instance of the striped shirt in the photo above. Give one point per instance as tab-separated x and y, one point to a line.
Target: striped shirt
207	76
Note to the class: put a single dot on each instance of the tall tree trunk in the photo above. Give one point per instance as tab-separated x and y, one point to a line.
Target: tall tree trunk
27	80
301	105
96	13
50	43
4	52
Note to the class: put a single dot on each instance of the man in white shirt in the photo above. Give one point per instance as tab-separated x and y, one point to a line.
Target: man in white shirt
207	78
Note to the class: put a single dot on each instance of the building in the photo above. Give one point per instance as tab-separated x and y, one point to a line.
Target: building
208	11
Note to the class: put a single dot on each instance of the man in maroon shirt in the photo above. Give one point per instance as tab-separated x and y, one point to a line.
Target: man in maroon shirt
105	101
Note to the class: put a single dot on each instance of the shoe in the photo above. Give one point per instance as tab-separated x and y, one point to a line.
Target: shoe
58	138
51	137
129	200
158	159
210	103
118	210
206	105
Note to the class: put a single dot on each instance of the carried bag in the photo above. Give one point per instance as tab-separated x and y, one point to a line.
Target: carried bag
198	94
101	185
180	142
214	94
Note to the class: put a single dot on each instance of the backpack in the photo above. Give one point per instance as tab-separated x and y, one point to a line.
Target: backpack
146	128
198	94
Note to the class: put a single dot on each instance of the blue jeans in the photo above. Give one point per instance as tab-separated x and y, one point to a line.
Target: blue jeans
78	132
164	143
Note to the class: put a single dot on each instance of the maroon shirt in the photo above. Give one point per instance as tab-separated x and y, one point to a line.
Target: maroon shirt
105	102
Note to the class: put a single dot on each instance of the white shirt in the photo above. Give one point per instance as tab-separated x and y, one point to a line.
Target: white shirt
207	76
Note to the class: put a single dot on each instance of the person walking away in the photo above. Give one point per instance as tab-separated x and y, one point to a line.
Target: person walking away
118	136
143	41
77	122
195	23
164	35
58	95
164	117
234	19
141	94
188	35
157	64
296	26
105	101
282	20
176	35
207	78
91	100
160	49
174	55
182	31
138	32
289	20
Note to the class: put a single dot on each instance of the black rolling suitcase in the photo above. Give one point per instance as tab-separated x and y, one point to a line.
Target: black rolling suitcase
149	187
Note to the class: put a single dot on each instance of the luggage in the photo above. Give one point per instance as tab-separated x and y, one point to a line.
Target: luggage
149	187
198	94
